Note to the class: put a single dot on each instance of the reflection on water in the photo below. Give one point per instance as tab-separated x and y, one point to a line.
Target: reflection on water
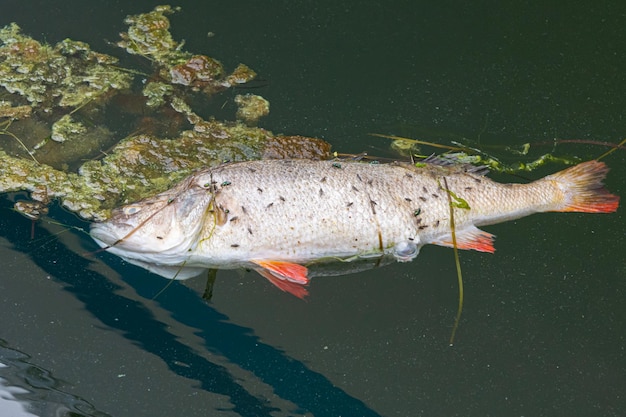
290	379
28	390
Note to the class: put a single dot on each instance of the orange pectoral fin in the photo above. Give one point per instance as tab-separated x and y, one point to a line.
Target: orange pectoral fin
288	286
470	238
285	270
287	276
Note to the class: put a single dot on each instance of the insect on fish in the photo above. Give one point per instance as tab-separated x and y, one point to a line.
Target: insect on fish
280	216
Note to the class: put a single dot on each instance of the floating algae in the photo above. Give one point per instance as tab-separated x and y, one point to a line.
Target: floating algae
57	103
66	75
251	108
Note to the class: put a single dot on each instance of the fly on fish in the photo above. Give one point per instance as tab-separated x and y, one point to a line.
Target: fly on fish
284	218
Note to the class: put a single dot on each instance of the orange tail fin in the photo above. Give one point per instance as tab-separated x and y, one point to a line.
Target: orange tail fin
583	189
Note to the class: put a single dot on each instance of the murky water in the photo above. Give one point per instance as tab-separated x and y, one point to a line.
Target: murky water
543	327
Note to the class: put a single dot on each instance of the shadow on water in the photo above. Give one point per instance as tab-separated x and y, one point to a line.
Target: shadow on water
290	379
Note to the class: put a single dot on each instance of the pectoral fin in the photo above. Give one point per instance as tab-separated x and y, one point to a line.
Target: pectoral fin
287	276
470	238
285	270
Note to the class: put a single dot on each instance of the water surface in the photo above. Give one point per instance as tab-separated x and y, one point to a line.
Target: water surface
542	331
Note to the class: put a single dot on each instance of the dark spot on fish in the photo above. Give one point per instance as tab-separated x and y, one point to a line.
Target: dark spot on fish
422	227
249	230
423	198
321	192
425	190
160	237
418	220
355	189
406	174
359	177
323	179
408	199
269	205
251	169
370	182
234	245
477	180
281	198
234	219
259	190
468	188
435	195
411	239
436	224
243	209
349	204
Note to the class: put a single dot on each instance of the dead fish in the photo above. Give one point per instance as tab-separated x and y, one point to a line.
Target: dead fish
314	211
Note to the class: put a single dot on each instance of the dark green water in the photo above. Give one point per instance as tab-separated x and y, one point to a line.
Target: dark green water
542	333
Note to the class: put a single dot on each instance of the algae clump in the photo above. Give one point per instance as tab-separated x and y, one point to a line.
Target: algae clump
77	127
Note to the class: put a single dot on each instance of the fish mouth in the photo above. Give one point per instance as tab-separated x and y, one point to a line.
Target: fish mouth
125	238
110	240
105	236
118	239
163	229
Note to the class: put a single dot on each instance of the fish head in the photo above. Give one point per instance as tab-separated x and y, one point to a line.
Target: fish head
162	229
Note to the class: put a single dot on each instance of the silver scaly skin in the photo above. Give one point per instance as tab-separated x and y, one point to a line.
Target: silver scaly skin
275	215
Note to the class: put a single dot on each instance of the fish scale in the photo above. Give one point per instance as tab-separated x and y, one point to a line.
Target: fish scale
313	207
276	216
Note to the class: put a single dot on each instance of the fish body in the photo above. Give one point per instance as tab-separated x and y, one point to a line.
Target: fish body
277	216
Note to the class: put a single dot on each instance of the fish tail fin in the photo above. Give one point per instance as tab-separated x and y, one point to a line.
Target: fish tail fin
583	190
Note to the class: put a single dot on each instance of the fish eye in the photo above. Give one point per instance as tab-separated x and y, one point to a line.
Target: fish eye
129	210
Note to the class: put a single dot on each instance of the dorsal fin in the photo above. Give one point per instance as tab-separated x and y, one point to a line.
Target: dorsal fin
458	162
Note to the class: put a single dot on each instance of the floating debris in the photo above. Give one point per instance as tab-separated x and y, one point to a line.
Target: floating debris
58	101
251	108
